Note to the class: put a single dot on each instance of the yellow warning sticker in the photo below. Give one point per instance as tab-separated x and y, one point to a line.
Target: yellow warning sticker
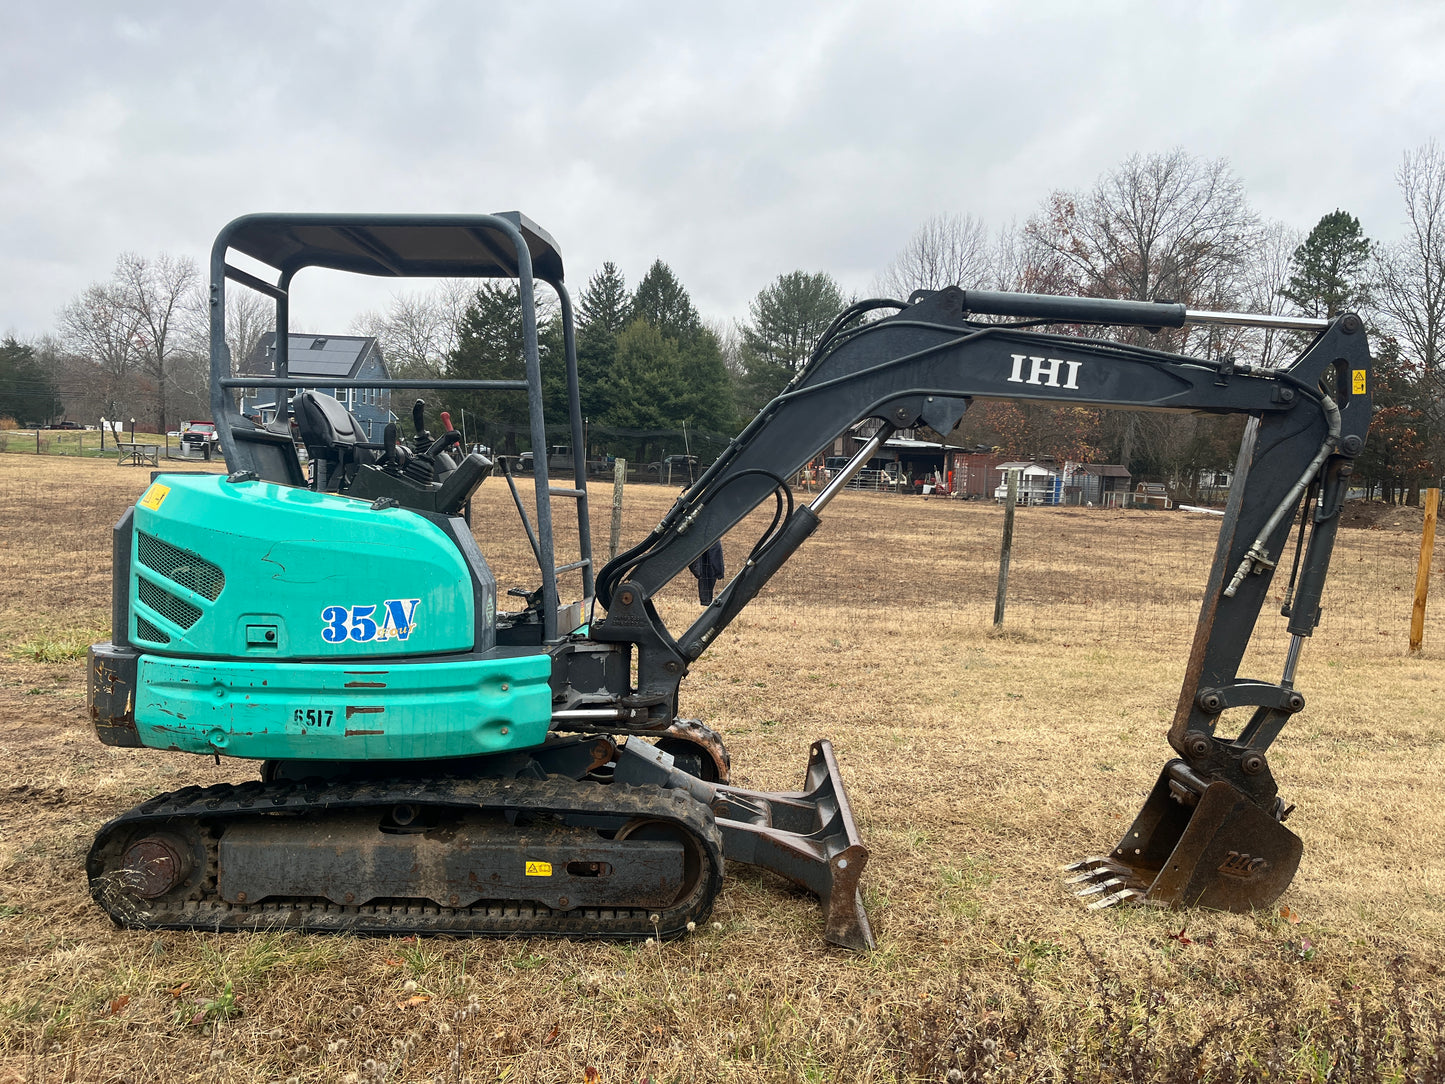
539	869
154	496
1358	385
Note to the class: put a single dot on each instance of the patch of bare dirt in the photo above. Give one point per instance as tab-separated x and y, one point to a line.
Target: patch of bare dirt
1379	516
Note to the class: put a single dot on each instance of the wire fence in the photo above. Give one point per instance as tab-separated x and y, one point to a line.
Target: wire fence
1140	581
89	443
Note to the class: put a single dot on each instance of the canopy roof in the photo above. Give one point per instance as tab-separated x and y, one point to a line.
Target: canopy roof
399	246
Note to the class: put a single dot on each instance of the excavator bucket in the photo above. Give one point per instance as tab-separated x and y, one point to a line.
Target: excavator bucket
1194	844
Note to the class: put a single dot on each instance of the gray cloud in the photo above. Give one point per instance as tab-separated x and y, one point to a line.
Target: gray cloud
735	143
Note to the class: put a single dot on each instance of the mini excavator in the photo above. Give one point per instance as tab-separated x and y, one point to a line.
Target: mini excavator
430	763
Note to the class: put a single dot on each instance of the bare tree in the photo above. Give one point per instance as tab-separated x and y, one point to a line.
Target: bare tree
418	331
1410	275
249	315
730	342
947	250
1161	227
162	296
1266	277
1409	290
98	327
1020	263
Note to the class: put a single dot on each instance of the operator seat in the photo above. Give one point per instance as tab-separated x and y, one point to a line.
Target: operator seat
333	438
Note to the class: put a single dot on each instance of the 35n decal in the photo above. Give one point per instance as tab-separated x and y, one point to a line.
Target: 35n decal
394	619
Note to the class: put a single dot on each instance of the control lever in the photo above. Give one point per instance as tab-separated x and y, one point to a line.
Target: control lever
395	456
418	421
449	437
433	464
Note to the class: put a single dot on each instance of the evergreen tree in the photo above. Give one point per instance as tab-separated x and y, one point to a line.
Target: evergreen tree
602	312
658	383
489	347
1398	458
643	383
706	401
27	390
1327	271
661	300
788	318
663	371
604	304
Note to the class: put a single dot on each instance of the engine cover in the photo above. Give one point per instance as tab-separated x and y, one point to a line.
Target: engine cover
253	570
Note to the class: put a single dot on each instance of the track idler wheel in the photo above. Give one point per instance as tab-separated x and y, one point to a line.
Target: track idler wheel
148	866
697	750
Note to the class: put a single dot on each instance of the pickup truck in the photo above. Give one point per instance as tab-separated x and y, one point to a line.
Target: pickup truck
559	461
199	438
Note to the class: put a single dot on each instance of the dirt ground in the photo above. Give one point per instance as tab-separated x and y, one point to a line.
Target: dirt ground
978	763
1379	516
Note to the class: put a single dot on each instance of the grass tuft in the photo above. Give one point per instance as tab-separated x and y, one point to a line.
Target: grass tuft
1007	1025
55	649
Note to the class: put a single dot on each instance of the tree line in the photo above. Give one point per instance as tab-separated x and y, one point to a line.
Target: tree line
1170	226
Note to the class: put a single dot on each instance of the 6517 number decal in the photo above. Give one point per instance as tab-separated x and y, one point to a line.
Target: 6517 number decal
313	716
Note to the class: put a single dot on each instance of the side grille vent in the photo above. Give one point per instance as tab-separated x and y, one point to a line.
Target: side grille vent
190	570
146	631
163	602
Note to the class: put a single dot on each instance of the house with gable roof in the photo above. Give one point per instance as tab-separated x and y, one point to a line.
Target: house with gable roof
340	357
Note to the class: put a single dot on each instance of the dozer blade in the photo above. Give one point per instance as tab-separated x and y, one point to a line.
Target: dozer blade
1194	844
807	836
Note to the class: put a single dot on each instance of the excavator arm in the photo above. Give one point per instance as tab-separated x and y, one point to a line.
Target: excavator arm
925	365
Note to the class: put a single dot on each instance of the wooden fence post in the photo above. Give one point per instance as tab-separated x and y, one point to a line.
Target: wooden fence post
1422	573
619	481
1008	544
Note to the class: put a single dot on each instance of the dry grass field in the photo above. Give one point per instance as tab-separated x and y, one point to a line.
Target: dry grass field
977	765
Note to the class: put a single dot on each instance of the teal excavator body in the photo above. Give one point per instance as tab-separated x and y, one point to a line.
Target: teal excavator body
428	762
344	632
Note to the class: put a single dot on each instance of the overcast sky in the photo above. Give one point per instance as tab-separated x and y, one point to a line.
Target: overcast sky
736	144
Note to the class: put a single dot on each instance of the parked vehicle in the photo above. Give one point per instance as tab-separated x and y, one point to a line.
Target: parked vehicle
674	469
559	458
199	439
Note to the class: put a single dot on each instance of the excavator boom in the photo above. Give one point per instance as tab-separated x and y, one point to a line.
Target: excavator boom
1211	833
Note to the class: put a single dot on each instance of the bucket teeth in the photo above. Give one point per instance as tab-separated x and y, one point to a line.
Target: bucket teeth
1088	869
1111	881
1124	895
1100	886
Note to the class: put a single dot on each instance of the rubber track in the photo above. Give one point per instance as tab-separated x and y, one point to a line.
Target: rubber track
209	809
